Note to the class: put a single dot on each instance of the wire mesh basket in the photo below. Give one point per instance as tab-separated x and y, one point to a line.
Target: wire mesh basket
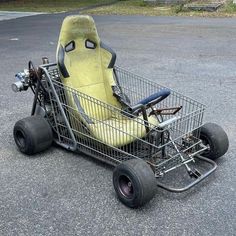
123	136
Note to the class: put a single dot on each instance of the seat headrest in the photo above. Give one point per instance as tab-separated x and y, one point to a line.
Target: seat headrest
78	27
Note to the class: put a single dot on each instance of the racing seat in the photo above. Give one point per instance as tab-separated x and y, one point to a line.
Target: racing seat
86	65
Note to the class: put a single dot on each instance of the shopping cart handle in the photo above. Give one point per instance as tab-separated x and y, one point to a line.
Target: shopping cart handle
155	98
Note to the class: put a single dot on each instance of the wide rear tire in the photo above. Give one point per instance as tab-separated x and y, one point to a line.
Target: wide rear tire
32	135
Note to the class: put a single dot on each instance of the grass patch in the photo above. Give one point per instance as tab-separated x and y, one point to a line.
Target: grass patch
229	8
133	7
138	7
121	7
48	5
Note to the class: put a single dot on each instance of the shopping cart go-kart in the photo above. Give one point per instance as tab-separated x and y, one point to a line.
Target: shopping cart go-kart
153	135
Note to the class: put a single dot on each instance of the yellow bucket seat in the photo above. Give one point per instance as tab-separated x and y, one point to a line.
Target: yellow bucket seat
86	65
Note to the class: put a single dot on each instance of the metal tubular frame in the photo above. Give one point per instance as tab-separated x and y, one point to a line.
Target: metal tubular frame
165	148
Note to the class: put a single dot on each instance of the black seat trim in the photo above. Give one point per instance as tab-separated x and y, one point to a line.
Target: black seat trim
113	54
61	63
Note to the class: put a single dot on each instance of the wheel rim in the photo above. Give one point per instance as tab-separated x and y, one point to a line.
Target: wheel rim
126	186
20	139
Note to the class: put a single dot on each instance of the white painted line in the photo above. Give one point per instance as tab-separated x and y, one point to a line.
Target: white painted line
21	12
14	39
7	15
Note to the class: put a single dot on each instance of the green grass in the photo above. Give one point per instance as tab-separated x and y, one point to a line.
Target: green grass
133	7
229	8
122	7
48	5
138	7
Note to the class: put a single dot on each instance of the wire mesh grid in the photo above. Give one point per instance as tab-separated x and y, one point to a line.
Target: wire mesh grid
112	135
137	88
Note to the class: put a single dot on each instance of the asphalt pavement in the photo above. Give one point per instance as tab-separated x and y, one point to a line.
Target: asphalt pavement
62	193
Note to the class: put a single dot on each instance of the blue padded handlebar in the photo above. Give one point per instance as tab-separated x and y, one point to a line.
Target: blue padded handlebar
162	94
149	101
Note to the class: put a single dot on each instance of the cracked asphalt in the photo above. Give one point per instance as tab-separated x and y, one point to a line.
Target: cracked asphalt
61	193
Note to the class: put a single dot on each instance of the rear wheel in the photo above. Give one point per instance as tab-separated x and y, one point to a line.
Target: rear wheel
32	134
134	183
215	138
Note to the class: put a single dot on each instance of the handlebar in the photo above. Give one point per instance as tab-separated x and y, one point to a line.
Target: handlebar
150	101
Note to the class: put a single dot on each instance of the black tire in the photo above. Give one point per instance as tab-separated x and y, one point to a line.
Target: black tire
32	135
134	183
215	137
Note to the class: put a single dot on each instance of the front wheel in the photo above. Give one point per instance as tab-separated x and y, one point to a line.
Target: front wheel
134	183
215	138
